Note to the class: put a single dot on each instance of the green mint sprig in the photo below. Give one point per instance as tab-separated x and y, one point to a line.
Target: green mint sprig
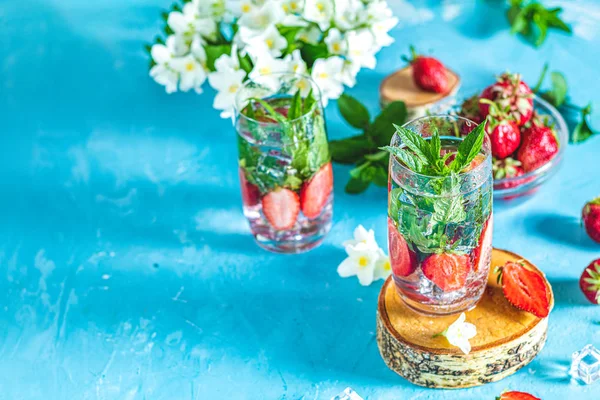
362	150
532	20
424	156
558	96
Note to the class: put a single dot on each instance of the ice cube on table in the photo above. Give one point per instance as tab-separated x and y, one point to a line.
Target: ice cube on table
347	394
586	365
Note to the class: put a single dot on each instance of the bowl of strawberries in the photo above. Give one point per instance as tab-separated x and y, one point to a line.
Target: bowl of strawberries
528	135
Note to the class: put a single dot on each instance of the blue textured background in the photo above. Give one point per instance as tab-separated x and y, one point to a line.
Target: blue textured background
127	270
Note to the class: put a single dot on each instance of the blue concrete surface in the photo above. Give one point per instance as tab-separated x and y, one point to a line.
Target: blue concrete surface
127	270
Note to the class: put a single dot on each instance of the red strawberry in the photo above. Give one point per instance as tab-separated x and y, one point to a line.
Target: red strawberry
591	218
590	282
314	193
504	136
524	289
447	270
538	147
511	94
403	260
509	168
250	192
281	208
481	254
516	396
428	73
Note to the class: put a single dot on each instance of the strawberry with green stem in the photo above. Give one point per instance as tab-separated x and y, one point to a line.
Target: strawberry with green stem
505	135
591	218
514	395
524	289
590	282
538	147
509	93
428	73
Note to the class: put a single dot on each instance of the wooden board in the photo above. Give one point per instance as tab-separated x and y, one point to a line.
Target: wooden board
400	86
507	339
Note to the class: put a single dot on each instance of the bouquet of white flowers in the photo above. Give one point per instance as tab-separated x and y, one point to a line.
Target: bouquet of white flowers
229	41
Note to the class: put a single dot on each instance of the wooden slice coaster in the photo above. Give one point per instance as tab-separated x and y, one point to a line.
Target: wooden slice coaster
507	339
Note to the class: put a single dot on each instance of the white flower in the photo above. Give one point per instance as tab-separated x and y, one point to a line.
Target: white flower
271	39
237	8
360	262
383	268
162	73
349	13
361	48
260	18
311	35
265	66
459	333
319	11
188	22
336	44
210	8
380	30
227	83
192	73
349	72
292	6
295	62
327	74
361	235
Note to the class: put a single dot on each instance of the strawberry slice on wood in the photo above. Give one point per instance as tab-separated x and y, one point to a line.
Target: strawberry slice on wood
481	254
250	192
590	282
403	259
514	395
281	208
448	271
524	289
314	193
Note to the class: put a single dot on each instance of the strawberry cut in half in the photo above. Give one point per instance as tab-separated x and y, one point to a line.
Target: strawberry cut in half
481	254
524	289
591	219
403	259
314	193
250	192
281	208
513	395
590	282
448	271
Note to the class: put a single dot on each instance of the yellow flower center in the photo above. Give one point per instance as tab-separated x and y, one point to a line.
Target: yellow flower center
323	75
246	8
233	88
336	47
285	7
320	7
387	266
363	261
264	70
294	5
269	43
189	66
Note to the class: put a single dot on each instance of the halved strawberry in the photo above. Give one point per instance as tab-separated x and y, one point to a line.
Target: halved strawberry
314	193
250	192
448	271
516	396
403	259
590	282
281	208
481	254
524	289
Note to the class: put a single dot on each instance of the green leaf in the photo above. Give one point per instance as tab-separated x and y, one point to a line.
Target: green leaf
532	20
277	116
559	88
213	52
469	148
542	27
347	151
312	52
583	130
353	111
414	142
435	145
245	63
540	80
309	101
292	182
380	178
295	109
381	130
411	161
356	186
449	210
381	156
394	203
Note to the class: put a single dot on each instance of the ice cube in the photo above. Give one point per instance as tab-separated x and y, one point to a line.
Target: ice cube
347	394
585	365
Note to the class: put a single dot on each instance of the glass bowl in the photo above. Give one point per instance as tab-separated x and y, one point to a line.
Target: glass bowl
526	184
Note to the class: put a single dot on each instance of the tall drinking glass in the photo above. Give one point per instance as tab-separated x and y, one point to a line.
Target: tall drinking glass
284	162
440	228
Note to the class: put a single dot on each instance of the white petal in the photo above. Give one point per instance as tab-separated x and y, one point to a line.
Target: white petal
160	53
347	268
469	331
365	275
178	22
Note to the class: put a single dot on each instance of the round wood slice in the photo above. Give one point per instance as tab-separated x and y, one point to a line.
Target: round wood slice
400	86
507	339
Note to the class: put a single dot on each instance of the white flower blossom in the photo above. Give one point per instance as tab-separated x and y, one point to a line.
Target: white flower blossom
311	35
260	18
459	333
237	8
295	62
361	262
292	6
162	72
265	66
349	14
349	72
226	80
271	39
361	235
335	41
327	74
191	72
189	22
320	12
361	48
383	268
380	31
